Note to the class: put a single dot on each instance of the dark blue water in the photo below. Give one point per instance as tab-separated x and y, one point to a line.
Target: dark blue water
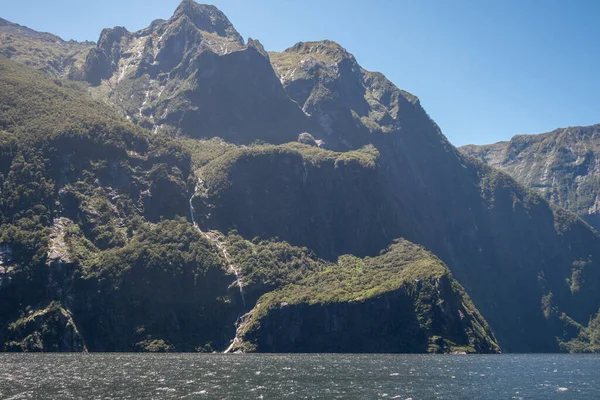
191	376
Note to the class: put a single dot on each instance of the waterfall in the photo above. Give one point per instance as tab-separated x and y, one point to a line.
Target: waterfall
192	210
212	237
233	268
241	324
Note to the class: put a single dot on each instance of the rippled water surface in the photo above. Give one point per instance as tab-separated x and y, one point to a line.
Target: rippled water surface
190	376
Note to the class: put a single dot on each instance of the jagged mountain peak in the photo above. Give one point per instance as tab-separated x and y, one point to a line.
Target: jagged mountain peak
348	102
165	46
176	77
110	35
304	59
207	18
256	44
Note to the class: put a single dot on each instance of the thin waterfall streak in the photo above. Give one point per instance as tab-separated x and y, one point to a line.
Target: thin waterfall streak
219	245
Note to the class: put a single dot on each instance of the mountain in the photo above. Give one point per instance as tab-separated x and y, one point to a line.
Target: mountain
325	207
87	262
516	256
95	256
43	51
562	165
193	75
350	106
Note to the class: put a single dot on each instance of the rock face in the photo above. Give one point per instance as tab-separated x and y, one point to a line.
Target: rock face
49	330
412	305
193	75
332	201
350	106
562	165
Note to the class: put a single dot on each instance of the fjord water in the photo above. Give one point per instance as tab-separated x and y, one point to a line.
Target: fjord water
189	376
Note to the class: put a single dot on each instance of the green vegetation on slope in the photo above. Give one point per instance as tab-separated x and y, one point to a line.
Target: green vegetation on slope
266	265
358	279
81	191
217	173
55	142
42	51
167	284
101	259
418	306
588	340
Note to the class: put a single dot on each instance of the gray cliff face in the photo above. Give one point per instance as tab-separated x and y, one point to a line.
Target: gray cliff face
350	106
208	18
193	75
562	165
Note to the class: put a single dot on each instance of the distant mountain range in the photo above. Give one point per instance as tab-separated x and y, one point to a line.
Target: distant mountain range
562	165
181	189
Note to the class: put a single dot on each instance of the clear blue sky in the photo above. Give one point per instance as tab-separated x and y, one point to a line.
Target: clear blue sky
484	70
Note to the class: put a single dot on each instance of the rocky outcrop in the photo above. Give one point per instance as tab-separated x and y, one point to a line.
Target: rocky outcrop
102	61
562	165
410	304
208	18
47	330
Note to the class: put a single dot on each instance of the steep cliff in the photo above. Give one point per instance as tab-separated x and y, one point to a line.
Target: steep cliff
193	75
562	165
48	330
402	301
510	250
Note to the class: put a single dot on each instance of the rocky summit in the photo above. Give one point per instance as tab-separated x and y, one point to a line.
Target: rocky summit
186	190
193	75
